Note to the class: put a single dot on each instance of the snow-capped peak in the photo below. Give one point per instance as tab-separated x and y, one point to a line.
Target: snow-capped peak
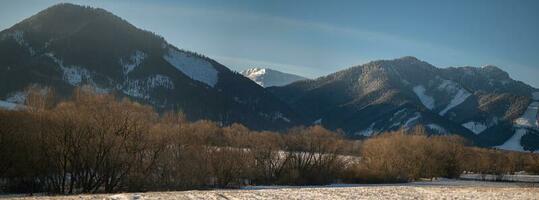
266	77
254	71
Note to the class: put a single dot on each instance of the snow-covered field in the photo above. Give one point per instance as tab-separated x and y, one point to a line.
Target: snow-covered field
523	178
443	189
7	105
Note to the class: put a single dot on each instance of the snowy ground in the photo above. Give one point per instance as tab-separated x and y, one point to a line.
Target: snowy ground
7	105
514	178
535	96
443	189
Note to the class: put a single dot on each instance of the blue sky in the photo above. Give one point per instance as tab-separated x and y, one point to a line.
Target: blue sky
314	38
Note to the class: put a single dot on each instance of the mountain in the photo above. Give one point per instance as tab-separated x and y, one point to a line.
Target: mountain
67	45
268	77
482	104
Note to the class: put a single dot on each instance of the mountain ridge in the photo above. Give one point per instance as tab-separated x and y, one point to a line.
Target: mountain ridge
94	47
385	95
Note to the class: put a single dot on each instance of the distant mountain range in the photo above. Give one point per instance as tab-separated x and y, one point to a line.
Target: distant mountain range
266	77
68	45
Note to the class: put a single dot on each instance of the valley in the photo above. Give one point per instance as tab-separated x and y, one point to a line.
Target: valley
476	103
209	106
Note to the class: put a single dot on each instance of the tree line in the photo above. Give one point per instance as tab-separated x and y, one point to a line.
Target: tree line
96	142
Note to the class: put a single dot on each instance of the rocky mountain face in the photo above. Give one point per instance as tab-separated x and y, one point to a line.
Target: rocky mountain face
68	45
266	77
481	104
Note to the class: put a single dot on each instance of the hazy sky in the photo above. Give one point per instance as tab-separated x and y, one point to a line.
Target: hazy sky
314	38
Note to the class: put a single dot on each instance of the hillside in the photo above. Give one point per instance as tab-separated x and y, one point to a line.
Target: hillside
478	103
67	45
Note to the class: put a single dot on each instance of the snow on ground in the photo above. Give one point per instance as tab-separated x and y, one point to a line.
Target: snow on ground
134	61
535	96
194	67
121	197
318	121
513	143
475	127
17	97
428	101
7	105
442	189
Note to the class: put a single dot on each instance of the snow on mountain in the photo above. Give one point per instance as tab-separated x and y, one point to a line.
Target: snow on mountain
437	128
459	95
18	36
475	127
448	88
426	100
410	122
275	116
74	75
267	77
97	48
404	92
194	67
367	132
254	74
279	115
513	143
133	61
529	118
142	88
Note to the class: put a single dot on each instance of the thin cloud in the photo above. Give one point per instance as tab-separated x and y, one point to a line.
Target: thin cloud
361	34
